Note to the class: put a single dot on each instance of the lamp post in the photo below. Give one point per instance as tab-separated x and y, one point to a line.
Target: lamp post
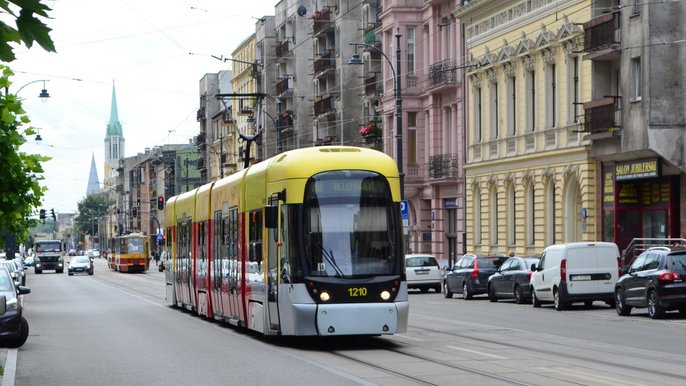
44	95
398	102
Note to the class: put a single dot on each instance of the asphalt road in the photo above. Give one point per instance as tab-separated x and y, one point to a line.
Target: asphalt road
114	329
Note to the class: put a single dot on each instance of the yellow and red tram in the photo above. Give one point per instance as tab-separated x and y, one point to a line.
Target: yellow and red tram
308	242
131	253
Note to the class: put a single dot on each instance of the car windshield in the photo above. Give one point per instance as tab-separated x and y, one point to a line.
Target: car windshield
9	264
82	259
489	263
531	260
421	261
53	246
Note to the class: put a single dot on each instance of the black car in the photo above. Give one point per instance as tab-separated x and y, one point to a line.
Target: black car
14	329
511	280
656	280
469	276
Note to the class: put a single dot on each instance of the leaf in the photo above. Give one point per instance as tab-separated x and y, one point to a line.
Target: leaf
31	29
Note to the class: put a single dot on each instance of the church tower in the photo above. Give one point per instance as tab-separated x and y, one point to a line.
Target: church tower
114	145
93	182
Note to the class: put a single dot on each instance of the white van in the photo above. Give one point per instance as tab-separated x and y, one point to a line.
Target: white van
576	272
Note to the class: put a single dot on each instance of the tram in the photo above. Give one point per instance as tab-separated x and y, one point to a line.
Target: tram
307	243
131	253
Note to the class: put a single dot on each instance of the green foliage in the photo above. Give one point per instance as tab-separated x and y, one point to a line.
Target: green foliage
20	191
91	208
29	28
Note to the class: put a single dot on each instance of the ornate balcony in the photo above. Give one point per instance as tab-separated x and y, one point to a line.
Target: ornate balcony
200	114
371	86
282	48
443	166
283	85
601	115
442	73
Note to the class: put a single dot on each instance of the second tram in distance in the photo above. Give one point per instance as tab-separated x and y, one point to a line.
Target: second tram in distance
306	243
131	253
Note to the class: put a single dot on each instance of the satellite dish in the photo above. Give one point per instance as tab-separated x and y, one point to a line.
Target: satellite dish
301	10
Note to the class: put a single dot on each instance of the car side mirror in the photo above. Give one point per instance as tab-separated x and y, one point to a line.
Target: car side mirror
23	290
534	268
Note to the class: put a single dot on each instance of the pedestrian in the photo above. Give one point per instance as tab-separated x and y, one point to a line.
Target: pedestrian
511	254
157	257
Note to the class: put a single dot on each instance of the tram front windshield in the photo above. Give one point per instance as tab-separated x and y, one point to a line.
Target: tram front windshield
351	225
132	245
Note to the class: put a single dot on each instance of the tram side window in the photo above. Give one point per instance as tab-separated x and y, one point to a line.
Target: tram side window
255	235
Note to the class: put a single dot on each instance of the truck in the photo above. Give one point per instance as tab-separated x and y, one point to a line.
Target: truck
48	255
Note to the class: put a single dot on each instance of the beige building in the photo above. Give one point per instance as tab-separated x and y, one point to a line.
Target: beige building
244	69
530	180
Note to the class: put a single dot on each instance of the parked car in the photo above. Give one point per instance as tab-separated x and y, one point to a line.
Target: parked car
422	272
14	328
11	267
511	280
576	272
656	280
469	276
29	261
80	264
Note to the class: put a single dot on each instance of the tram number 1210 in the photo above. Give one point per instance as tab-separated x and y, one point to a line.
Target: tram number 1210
357	292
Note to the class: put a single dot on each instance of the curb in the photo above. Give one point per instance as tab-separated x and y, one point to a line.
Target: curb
9	359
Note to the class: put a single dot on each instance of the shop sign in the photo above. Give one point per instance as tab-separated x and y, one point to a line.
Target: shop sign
633	170
450	203
608	189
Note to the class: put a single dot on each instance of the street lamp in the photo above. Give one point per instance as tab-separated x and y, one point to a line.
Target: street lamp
398	102
44	95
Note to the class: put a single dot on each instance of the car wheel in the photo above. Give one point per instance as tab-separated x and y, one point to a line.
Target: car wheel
559	304
534	299
446	290
437	288
620	306
518	295
655	310
71	274
588	303
466	293
491	294
20	339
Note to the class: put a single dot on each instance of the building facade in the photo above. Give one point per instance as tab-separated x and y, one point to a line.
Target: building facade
530	180
635	117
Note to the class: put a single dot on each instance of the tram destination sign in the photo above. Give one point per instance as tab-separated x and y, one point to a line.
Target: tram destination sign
637	169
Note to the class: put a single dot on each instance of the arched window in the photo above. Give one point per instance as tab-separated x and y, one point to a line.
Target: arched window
477	216
530	218
572	217
493	213
510	214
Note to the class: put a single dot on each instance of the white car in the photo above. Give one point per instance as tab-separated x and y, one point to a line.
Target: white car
423	272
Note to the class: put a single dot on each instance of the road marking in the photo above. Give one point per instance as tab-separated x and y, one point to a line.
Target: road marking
10	367
476	352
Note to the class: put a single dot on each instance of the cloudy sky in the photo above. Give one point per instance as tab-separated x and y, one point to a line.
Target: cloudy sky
153	51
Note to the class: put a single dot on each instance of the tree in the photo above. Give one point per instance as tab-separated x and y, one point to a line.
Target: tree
29	28
91	209
20	190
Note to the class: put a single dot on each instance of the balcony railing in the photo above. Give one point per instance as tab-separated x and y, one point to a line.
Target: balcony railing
443	166
600	32
200	114
370	85
325	62
370	35
200	139
323	104
600	115
321	19
282	48
282	85
443	72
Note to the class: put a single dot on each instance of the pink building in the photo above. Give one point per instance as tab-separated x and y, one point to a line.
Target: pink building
432	117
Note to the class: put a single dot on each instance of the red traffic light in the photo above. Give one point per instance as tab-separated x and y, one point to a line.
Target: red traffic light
160	202
134	211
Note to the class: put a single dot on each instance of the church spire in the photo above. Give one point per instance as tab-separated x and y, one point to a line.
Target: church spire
93	182
114	126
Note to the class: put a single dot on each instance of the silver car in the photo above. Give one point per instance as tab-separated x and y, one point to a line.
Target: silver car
423	272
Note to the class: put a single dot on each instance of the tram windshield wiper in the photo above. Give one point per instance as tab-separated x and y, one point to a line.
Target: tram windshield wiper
330	259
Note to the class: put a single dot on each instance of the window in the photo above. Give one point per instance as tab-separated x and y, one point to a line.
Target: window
530	219
573	89
551	96
636	73
410	51
493	214
477	216
637	6
550	213
412	137
494	110
511	215
531	100
511	106
477	115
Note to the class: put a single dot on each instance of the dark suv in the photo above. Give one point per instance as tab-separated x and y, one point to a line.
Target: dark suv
469	276
14	329
657	280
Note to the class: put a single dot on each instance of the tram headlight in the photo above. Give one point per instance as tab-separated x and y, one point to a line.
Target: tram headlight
324	296
385	295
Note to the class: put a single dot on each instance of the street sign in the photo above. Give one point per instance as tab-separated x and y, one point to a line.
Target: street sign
160	238
404	210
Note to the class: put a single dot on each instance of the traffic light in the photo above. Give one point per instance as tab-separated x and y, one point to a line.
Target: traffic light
54	218
138	202
134	212
160	203
42	214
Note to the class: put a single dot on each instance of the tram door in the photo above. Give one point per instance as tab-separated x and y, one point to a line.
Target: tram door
274	251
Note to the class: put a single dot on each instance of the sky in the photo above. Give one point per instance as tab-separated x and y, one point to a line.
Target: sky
154	52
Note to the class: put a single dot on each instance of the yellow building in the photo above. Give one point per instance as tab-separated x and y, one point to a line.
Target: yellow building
244	82
530	180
